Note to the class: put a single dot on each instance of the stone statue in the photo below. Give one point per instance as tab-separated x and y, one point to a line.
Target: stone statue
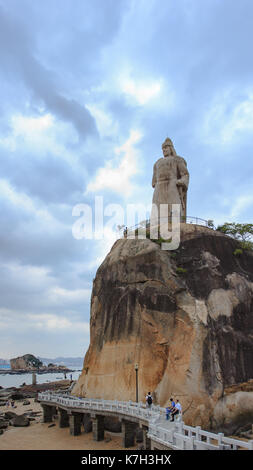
170	179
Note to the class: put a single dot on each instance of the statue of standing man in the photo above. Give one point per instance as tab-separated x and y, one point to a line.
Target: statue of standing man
170	180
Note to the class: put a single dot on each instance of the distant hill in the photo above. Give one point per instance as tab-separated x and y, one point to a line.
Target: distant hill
67	361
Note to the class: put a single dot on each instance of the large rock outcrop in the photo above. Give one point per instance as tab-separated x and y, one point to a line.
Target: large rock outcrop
190	330
28	361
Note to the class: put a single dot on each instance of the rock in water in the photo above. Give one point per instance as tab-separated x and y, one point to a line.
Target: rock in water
186	318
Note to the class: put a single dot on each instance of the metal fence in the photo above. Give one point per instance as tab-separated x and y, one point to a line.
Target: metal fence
145	224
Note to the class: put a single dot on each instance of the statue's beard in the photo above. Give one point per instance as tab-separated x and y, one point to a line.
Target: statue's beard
168	155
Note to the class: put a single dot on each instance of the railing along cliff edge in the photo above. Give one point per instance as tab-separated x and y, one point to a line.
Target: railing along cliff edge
177	436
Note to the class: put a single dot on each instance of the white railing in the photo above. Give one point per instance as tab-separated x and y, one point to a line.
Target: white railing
177	436
188	437
133	409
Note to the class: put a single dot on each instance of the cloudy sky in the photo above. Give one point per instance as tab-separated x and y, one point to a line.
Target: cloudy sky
89	90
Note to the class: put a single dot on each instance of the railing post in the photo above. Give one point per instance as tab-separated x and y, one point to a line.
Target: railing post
191	443
180	427
220	437
198	429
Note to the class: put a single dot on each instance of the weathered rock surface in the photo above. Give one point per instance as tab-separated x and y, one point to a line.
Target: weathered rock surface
190	332
4	424
20	421
9	415
26	402
28	361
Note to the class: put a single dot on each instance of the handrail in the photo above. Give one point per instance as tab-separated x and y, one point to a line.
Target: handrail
174	437
128	408
146	224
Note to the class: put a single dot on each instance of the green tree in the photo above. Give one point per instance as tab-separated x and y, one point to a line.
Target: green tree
241	232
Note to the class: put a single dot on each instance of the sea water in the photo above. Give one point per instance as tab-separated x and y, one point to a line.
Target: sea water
11	380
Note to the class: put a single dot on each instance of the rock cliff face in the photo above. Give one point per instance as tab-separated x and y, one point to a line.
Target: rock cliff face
190	330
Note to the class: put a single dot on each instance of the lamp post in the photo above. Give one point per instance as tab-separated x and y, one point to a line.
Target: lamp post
136	371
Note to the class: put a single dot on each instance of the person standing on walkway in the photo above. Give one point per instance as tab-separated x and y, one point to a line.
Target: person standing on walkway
177	410
149	400
170	408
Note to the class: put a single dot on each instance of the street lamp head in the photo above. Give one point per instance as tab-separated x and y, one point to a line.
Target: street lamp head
136	366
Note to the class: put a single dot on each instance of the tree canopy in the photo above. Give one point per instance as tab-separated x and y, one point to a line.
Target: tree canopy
241	232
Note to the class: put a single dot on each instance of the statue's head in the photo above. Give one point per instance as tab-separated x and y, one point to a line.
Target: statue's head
168	148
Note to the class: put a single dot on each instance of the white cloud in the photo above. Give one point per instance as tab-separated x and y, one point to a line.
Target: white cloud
58	295
27	129
53	322
142	91
118	178
41	216
33	277
224	125
233	209
105	124
30	126
41	135
241	120
20	322
240	205
31	283
21	200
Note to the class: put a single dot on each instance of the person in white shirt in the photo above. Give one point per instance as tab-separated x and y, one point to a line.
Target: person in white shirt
177	410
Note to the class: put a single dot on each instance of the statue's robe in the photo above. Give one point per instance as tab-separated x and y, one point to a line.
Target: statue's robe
166	173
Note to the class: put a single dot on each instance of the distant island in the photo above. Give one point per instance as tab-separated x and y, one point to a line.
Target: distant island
29	363
68	361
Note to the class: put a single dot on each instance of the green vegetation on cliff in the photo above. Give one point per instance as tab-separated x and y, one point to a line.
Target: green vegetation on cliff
241	232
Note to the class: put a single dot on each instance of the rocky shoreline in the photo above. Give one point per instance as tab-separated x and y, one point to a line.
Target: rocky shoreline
22	395
17	434
32	390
